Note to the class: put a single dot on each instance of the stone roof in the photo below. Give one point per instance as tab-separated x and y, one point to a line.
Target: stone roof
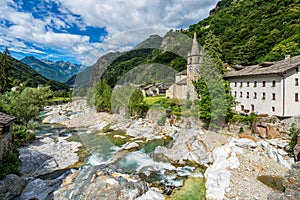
5	119
184	72
182	82
266	68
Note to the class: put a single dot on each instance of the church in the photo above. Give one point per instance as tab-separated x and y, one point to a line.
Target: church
183	87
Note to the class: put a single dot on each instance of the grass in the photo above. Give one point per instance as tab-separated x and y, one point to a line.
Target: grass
58	99
192	189
152	100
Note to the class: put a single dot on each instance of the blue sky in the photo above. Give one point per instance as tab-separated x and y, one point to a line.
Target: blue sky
81	31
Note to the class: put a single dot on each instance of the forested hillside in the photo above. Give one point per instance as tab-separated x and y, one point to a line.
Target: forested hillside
252	31
22	73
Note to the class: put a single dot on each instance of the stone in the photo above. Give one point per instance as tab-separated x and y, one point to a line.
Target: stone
131	146
45	156
297	149
261	131
98	183
39	189
152	194
12	186
271	132
291	184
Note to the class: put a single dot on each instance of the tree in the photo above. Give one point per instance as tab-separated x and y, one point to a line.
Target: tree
5	67
137	106
99	95
27	104
216	102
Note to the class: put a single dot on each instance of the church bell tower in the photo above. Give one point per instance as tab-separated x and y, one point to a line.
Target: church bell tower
194	59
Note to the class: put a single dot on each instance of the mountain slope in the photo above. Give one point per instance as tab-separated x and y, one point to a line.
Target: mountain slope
58	71
253	31
22	73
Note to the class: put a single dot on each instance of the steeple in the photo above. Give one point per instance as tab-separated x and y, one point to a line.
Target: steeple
195	47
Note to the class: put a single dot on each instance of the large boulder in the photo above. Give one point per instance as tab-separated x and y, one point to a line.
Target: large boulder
11	187
100	182
39	189
291	184
187	146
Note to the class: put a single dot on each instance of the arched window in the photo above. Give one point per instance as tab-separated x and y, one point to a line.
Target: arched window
190	61
198	59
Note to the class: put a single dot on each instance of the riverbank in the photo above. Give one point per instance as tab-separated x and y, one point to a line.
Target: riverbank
147	158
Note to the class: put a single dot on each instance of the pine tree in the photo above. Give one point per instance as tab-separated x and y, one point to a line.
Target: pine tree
5	67
216	101
100	96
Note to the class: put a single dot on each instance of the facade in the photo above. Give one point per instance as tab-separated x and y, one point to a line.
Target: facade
271	88
183	87
6	133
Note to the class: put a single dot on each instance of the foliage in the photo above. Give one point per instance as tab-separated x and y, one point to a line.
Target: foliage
193	189
137	105
162	120
253	31
99	95
9	164
25	105
216	101
5	68
21	73
22	135
294	135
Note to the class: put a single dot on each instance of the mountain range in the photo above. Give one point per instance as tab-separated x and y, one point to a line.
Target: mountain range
58	71
22	73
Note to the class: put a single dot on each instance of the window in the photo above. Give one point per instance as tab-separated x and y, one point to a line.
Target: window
247	95
242	108
297	70
263	96
273	83
241	94
296	97
248	84
252	108
190	60
296	82
241	84
235	84
234	93
273	96
264	83
255	95
273	109
255	84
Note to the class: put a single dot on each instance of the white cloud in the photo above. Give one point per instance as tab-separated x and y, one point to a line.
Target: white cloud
127	23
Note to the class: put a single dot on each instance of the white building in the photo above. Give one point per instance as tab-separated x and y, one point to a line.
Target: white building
271	88
183	88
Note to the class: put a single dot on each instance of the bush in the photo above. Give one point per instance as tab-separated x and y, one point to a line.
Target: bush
9	165
137	106
22	135
294	135
99	96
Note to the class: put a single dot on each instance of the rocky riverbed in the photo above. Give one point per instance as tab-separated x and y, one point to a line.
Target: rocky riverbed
107	156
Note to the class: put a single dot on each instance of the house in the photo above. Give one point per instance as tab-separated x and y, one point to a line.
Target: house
6	133
183	87
153	89
271	88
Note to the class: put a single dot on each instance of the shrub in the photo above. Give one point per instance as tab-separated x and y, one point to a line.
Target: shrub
22	135
294	135
9	164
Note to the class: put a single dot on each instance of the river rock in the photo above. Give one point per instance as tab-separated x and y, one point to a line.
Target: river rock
100	182
11	187
291	184
218	175
46	155
39	189
152	194
187	146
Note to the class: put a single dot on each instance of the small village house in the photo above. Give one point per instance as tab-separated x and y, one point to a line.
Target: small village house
6	133
271	88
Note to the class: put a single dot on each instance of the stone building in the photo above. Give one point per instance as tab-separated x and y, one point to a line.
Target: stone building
271	88
183	87
6	133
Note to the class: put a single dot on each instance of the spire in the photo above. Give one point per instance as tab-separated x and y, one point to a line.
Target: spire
195	46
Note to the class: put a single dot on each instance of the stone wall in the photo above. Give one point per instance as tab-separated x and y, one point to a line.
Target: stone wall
6	142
